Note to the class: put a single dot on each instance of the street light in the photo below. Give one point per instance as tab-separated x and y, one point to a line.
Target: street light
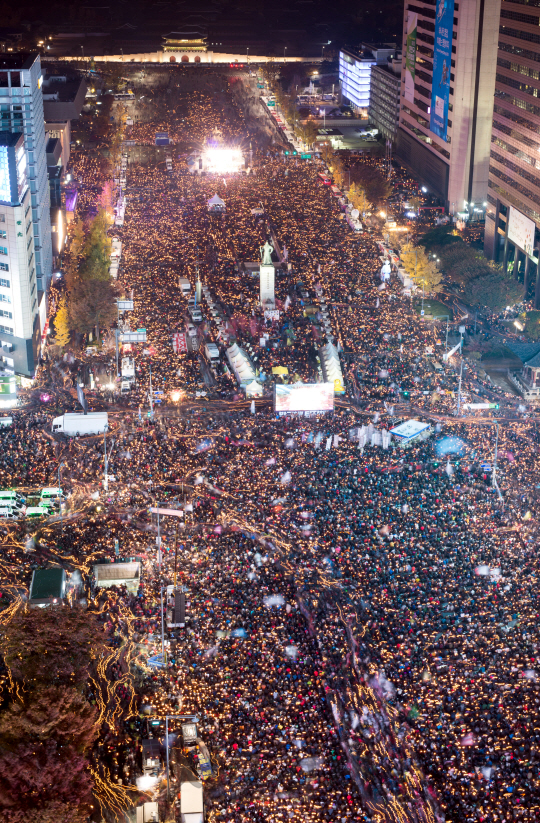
284	53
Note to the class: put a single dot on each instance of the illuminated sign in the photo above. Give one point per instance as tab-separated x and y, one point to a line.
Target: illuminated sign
521	231
5	188
304	398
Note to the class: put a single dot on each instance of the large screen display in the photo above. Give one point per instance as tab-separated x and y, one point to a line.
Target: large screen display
521	231
442	60
304	398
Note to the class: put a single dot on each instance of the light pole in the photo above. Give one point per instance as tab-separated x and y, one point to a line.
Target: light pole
60	487
105	464
284	54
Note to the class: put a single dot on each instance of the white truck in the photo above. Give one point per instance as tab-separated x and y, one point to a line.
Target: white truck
191	802
185	285
73	424
212	353
128	369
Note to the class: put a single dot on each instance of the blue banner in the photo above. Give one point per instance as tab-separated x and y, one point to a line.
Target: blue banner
442	56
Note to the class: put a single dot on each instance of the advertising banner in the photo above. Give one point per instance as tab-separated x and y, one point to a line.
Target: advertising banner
442	56
304	398
179	343
521	231
410	55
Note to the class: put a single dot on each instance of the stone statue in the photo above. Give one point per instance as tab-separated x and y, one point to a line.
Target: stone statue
266	254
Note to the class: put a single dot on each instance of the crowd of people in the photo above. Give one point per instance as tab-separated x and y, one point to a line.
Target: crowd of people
362	632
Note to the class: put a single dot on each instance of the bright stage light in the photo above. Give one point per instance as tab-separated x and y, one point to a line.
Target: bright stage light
223	161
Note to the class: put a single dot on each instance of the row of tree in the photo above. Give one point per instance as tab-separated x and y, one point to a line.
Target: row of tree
88	303
482	282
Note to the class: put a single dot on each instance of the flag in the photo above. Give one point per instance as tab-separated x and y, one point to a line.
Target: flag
81	398
179	342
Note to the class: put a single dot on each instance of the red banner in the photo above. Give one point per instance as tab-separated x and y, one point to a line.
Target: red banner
179	343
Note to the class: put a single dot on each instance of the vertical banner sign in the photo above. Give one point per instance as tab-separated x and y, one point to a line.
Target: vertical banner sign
442	56
410	55
179	343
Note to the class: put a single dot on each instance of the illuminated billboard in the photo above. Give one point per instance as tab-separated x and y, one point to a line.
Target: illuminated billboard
304	398
521	231
5	188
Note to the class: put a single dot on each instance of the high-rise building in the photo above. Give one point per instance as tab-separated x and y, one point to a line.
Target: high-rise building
448	81
21	110
385	97
20	332
512	234
355	72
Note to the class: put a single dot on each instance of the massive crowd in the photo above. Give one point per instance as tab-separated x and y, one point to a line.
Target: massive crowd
362	631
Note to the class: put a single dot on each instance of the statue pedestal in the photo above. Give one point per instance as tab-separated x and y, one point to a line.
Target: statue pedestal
267	290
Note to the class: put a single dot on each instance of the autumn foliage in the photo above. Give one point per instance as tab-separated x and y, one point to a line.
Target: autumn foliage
47	726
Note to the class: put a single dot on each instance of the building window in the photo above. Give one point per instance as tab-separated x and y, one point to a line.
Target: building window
7	314
4	298
5	283
4	267
6	330
2	218
3	250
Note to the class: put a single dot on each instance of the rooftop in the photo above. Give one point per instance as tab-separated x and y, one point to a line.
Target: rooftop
47	584
19	60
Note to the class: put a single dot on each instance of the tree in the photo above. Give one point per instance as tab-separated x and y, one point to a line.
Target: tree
44	783
532	325
56	646
93	305
420	268
493	289
97	249
61	323
359	199
374	183
49	726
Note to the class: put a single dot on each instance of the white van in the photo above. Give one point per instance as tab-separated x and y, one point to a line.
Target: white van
12	499
33	512
51	494
8	514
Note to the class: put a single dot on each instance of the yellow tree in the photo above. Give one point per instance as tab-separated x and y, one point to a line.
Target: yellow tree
358	198
420	268
61	323
338	171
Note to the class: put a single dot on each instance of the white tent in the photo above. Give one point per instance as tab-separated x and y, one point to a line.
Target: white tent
240	364
216	204
253	389
331	365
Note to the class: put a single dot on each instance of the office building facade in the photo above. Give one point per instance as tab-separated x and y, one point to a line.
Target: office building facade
447	87
385	96
512	235
20	333
355	72
21	110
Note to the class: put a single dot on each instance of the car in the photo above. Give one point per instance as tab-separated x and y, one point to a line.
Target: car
195	315
191	330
